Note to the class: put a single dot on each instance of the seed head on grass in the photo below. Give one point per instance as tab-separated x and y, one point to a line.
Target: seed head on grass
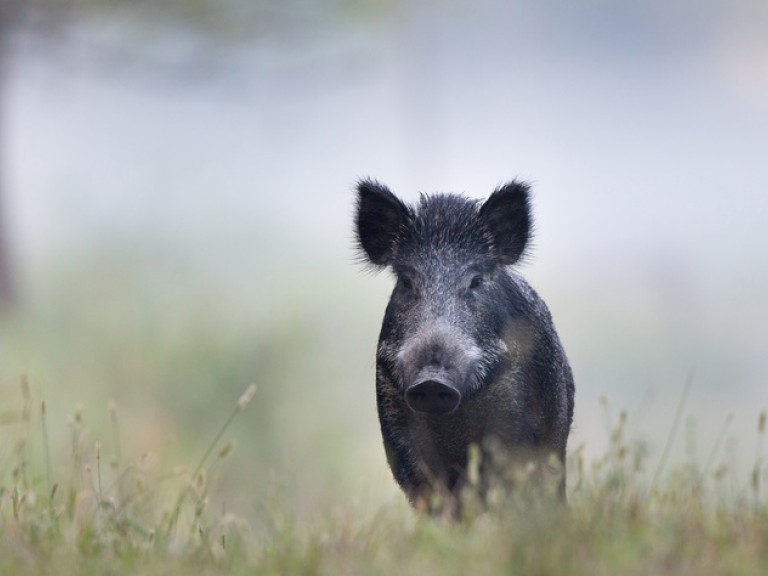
77	416
226	450
250	392
242	402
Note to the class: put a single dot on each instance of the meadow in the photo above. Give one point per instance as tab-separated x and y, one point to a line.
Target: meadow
157	425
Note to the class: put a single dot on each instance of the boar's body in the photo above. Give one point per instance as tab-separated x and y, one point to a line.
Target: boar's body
468	354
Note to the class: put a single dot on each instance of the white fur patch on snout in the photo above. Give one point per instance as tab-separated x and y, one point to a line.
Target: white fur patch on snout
443	335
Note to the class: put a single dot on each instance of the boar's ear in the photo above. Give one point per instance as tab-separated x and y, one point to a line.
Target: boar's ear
507	215
380	219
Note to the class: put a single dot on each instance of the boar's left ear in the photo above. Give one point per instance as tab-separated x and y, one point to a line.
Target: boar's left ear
380	219
507	215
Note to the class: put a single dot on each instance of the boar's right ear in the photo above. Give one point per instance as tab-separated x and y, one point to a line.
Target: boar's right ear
507	215
380	219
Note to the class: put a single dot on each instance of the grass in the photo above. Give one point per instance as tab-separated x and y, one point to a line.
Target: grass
171	464
92	514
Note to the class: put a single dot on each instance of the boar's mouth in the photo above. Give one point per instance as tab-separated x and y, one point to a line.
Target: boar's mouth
433	395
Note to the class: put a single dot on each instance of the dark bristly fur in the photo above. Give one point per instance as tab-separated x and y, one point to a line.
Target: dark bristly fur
468	354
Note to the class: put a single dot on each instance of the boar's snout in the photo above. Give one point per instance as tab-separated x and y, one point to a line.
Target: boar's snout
432	396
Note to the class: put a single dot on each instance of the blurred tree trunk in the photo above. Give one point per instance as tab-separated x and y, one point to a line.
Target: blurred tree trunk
7	287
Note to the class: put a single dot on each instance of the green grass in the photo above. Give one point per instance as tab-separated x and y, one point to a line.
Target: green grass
126	448
98	515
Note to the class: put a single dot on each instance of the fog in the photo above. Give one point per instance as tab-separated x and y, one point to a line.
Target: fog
642	127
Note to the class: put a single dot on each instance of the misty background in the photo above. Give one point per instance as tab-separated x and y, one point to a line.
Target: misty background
177	199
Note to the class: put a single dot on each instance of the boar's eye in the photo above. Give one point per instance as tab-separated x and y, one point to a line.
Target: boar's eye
406	282
476	282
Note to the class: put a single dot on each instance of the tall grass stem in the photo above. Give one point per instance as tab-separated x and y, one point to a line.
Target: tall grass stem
673	431
46	445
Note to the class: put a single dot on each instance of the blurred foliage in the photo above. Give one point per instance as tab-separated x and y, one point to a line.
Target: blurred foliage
223	20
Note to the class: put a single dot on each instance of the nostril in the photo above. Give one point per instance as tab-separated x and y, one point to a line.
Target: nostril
432	397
